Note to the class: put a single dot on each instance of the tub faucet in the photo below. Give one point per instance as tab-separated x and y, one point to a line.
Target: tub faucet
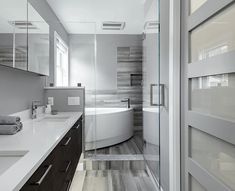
128	102
35	105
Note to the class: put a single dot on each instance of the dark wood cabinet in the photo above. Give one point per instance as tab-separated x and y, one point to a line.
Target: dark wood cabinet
57	171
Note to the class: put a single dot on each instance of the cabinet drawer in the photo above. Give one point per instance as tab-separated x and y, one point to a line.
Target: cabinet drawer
62	160
57	171
77	140
42	179
64	149
69	176
66	185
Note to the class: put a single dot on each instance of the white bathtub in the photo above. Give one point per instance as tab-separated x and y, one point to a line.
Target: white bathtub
107	126
151	125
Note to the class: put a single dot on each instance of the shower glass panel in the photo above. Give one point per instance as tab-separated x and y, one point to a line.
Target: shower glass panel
152	100
82	54
119	95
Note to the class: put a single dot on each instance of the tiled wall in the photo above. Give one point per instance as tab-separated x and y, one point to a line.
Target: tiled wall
129	79
129	84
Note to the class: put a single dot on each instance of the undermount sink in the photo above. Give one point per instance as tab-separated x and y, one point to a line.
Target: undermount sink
9	158
54	119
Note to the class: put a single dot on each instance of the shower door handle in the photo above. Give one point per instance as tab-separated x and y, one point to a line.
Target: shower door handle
161	100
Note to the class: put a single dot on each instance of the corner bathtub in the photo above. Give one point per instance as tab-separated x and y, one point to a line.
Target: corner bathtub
151	125
107	126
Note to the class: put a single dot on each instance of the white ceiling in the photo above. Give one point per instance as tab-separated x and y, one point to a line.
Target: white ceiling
86	16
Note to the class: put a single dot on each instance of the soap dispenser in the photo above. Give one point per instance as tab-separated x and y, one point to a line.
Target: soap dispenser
48	109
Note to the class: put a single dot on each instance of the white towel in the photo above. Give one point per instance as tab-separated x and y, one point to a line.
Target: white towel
9	120
10	129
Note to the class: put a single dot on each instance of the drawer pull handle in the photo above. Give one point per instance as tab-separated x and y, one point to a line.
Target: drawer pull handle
67	142
77	127
38	183
67	167
69	184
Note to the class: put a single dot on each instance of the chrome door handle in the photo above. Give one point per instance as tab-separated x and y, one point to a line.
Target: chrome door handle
161	94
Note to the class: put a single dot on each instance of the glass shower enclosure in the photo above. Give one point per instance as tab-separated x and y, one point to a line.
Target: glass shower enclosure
142	87
153	91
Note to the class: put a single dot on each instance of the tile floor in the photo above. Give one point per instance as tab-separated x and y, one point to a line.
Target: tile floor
117	168
133	146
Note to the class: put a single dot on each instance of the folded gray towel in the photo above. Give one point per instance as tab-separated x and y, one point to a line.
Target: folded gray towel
9	120
10	129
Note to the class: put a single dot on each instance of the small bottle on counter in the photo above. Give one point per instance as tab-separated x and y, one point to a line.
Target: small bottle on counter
48	109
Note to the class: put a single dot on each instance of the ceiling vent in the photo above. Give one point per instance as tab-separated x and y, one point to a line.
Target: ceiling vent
23	24
151	25
113	25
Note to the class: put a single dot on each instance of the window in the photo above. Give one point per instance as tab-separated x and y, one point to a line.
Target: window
61	62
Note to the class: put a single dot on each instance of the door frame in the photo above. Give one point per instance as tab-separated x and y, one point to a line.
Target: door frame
174	94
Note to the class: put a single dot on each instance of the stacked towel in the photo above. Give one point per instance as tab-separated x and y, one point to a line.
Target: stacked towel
9	120
10	125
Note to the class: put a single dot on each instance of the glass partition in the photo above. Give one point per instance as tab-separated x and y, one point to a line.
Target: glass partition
151	89
82	57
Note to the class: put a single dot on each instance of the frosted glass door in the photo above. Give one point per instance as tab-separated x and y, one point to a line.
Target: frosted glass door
209	96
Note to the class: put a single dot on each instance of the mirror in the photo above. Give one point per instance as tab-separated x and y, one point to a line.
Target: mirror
13	33
24	37
38	43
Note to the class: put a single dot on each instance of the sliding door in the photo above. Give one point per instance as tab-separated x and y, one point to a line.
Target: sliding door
209	91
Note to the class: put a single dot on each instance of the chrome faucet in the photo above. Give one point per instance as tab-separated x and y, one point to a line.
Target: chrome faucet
35	105
128	100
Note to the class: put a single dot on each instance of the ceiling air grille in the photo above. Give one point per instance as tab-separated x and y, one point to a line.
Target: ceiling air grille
151	25
23	24
113	25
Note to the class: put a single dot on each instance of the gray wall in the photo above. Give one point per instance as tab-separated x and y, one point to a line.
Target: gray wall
18	89
82	60
49	16
106	69
61	99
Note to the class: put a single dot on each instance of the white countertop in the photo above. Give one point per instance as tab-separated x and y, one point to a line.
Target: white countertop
39	138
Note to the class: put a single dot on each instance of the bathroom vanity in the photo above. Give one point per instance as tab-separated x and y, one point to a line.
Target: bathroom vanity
44	154
56	172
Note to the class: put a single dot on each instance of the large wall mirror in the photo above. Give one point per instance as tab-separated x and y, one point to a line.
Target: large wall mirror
24	37
13	33
38	42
